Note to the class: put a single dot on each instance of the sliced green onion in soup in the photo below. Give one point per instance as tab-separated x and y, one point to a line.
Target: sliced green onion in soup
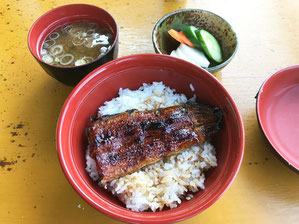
77	41
80	62
92	25
54	35
49	43
88	42
76	31
48	59
103	50
68	28
88	59
43	52
90	32
56	49
66	59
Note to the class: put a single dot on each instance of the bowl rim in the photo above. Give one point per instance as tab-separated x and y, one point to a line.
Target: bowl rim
63	6
210	69
266	132
152	217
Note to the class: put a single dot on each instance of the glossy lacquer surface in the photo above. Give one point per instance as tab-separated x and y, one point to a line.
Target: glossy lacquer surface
130	72
33	188
278	113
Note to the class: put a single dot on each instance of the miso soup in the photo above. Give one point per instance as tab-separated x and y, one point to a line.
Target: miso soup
76	44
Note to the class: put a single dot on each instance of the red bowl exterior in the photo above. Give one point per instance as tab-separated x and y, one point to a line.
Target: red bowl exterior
62	16
277	112
131	72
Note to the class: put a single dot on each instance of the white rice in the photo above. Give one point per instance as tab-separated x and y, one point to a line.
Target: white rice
147	97
191	87
164	183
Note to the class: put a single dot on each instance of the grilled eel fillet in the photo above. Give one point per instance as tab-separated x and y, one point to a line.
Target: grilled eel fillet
123	143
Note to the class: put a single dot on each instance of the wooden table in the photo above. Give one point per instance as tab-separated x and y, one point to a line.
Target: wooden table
33	188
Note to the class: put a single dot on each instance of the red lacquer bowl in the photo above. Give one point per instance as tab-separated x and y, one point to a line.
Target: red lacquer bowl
278	113
62	16
131	72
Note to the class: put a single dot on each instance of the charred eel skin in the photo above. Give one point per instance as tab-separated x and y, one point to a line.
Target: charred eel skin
124	143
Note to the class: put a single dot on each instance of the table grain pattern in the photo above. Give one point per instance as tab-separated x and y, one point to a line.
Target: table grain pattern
33	188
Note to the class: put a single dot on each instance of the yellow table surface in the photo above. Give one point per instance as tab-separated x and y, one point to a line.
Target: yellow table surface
33	188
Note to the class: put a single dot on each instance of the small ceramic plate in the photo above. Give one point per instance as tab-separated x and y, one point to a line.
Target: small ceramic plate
278	113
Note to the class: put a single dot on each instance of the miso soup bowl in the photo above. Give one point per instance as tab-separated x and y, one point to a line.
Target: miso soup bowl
202	19
62	16
131	72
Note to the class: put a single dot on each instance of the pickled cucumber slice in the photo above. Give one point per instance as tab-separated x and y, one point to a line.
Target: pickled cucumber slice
189	32
210	45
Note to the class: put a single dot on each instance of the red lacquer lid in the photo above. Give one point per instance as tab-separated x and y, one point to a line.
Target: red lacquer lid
278	113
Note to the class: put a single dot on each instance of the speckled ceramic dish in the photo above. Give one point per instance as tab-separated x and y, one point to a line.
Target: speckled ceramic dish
217	26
